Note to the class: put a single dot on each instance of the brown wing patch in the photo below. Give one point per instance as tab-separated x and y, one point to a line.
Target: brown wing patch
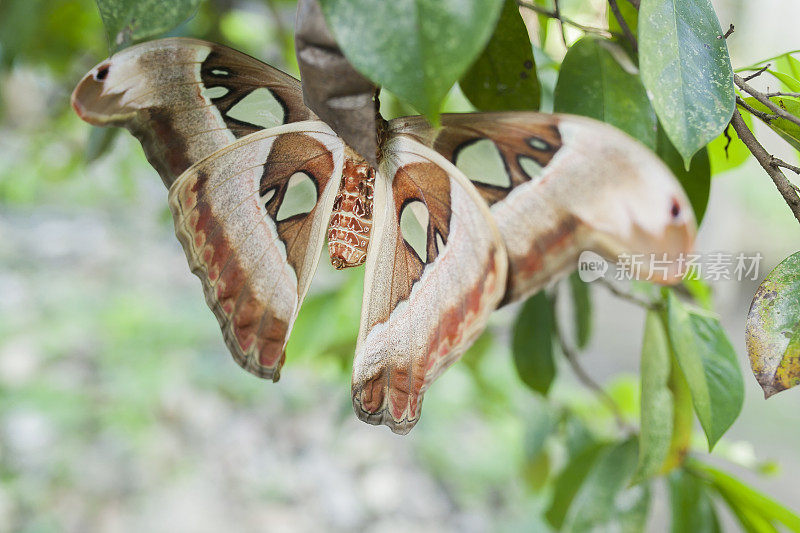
427	183
240	78
516	136
292	153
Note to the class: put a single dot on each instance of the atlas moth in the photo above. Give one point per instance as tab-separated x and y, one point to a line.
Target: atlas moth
454	221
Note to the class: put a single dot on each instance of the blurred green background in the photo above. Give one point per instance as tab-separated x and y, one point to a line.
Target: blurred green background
120	409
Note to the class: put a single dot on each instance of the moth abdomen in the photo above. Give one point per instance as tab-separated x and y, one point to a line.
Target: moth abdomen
351	220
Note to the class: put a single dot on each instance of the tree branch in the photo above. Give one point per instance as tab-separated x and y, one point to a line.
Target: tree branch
761	97
767	162
788	95
766	117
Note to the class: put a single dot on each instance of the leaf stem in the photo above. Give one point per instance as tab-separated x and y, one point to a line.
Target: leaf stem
588	382
616	291
624	25
558	16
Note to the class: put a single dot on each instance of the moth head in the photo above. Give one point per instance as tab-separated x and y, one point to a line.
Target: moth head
105	95
630	201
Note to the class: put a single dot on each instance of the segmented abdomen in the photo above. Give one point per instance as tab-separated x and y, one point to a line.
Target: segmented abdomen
351	221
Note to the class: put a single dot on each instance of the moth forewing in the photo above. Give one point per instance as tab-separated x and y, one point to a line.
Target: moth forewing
419	315
256	267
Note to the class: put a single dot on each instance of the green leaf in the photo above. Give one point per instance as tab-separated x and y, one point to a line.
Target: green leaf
696	181
598	80
127	21
692	509
504	76
100	142
728	152
657	408
604	500
533	343
708	362
682	419
772	332
699	289
569	483
783	127
581	309
787	70
745	498
789	83
538	427
415	48
686	67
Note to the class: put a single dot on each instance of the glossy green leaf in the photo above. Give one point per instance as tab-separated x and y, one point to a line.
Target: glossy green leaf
415	48
696	181
773	328
598	80
686	67
757	507
692	509
127	21
709	363
783	127
657	408
728	152
533	343
581	309
503	78
604	499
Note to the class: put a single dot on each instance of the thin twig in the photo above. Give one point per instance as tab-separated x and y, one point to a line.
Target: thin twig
729	32
557	15
588	382
624	25
557	12
758	73
766	117
766	160
781	163
761	97
619	293
787	95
